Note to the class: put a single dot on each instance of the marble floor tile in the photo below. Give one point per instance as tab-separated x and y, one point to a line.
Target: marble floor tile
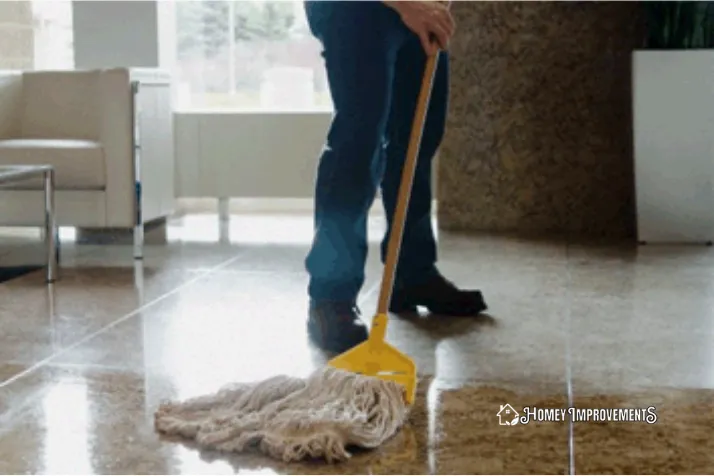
176	256
38	320
111	431
657	431
271	258
8	370
642	279
471	417
680	361
610	319
521	338
107	431
33	254
19	390
516	341
84	362
666	256
290	259
224	321
504	268
617	344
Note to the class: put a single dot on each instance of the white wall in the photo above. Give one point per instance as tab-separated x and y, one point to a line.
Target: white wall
115	33
249	155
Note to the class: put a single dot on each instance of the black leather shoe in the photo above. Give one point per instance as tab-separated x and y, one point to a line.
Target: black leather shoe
335	326
439	296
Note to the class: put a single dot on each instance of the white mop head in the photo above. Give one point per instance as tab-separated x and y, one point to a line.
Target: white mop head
292	419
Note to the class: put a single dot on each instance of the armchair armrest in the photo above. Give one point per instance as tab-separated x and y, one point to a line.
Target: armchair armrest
115	135
10	104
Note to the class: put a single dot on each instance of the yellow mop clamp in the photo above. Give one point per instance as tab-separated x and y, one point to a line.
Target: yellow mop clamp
375	357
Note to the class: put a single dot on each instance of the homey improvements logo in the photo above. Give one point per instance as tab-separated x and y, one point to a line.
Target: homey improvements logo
508	416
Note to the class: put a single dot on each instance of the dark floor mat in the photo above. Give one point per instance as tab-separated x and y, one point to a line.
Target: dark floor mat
12	272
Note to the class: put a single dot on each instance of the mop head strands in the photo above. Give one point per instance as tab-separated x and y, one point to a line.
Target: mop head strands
291	419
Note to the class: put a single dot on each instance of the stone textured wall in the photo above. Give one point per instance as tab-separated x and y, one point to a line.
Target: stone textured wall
539	134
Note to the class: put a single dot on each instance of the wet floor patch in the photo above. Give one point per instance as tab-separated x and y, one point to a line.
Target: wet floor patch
481	431
679	441
451	430
654	431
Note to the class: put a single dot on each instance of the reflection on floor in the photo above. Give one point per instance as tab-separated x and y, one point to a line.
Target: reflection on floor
84	363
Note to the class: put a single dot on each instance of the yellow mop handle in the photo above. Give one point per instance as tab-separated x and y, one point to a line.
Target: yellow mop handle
405	189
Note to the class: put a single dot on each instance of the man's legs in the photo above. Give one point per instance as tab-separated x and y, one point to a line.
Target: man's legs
360	68
418	252
418	281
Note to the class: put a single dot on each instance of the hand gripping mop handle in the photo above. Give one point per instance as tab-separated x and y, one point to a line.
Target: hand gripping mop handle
378	329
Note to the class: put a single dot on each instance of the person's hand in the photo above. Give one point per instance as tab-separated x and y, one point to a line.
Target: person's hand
431	21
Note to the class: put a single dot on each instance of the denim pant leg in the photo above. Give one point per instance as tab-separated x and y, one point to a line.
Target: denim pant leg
360	43
417	260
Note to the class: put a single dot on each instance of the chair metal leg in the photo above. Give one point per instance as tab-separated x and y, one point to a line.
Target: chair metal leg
139	242
51	232
224	213
136	142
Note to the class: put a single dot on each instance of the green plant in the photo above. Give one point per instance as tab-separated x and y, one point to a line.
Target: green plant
680	25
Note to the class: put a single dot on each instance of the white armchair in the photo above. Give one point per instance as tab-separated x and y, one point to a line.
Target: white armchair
108	134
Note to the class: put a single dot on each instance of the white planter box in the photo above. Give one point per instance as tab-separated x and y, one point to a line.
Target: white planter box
673	107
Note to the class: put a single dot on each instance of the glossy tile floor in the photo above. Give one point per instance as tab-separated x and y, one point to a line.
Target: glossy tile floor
84	362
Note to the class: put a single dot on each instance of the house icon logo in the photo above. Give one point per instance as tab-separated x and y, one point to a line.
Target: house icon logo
507	415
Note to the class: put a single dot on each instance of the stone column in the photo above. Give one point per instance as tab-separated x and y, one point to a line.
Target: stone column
539	133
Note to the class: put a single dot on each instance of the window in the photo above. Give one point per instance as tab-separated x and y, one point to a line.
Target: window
248	56
54	40
36	35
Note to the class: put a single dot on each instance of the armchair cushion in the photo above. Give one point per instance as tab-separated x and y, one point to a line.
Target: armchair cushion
61	105
79	164
10	104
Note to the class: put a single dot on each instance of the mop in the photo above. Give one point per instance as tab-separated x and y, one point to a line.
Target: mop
360	399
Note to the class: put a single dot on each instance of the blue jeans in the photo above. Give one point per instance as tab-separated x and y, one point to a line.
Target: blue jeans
375	66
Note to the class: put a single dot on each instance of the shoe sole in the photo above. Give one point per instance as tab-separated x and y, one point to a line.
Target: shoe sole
404	309
456	311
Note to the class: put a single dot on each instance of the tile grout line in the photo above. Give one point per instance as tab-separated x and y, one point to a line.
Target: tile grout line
7	417
116	322
70	366
568	360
